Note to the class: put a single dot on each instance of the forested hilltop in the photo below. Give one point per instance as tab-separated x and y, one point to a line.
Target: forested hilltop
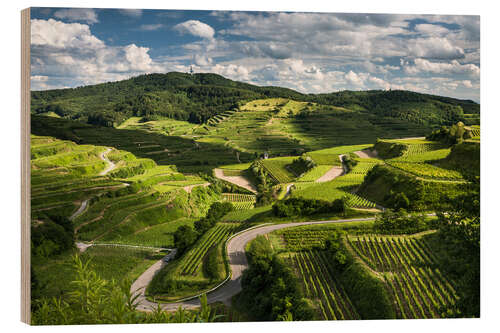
196	98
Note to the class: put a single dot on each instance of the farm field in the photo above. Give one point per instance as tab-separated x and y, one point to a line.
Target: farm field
406	264
188	269
319	285
240	201
418	288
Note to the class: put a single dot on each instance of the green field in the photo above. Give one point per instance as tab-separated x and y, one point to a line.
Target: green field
418	288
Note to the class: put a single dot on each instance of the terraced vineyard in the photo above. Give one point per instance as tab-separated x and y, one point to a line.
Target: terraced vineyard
318	283
192	260
240	201
64	174
426	170
431	155
356	201
315	173
418	288
276	168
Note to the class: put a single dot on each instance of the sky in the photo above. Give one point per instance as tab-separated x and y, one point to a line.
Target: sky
308	52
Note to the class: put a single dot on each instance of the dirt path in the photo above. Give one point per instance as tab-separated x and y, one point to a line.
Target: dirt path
238	180
288	189
80	210
111	165
189	188
82	246
330	174
366	153
237	263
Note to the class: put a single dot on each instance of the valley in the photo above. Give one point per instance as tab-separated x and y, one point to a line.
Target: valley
341	199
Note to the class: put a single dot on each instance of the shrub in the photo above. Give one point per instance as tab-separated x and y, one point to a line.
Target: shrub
305	207
184	237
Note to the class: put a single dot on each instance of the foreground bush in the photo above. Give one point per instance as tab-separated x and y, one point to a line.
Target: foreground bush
270	291
93	300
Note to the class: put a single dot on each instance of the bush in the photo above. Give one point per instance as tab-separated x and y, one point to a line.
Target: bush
270	291
216	211
399	222
210	264
387	149
301	165
184	237
305	207
367	292
53	236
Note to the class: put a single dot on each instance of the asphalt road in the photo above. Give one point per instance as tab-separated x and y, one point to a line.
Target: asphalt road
237	263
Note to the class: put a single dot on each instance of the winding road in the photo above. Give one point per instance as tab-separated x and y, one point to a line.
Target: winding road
80	210
111	165
237	264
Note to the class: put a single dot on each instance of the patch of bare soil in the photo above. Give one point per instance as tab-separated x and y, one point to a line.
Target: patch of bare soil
330	174
238	180
366	153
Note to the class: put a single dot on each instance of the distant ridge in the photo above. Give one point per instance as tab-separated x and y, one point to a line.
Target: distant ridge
198	97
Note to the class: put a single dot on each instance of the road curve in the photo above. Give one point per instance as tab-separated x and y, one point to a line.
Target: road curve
237	264
111	165
80	210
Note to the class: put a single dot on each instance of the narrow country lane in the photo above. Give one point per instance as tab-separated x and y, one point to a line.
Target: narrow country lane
111	165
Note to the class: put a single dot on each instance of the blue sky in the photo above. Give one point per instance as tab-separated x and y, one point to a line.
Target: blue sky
309	52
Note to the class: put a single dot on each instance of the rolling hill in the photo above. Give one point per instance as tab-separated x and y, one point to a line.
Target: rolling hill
198	97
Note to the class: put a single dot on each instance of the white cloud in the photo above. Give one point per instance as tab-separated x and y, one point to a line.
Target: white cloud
195	28
87	15
379	83
354	79
434	47
202	60
54	33
151	27
431	29
131	12
453	67
138	57
467	83
39	78
68	52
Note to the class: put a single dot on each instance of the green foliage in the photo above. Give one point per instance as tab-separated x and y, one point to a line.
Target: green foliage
399	222
199	97
349	163
93	300
389	149
53	236
305	207
395	189
301	165
269	289
458	246
184	237
215	213
451	135
366	292
210	264
466	158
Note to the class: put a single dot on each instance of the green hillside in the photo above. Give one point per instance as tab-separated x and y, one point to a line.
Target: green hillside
198	97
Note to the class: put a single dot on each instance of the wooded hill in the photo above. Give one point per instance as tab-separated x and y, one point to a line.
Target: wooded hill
198	97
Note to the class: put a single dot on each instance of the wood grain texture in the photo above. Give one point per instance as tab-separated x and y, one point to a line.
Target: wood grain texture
25	167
